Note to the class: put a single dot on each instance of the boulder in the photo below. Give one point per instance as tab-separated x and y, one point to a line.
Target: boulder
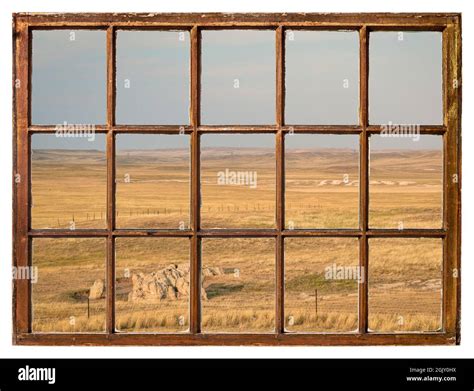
211	271
170	283
97	290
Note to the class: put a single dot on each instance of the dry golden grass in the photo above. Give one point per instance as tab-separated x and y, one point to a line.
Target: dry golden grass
404	275
68	186
416	201
230	206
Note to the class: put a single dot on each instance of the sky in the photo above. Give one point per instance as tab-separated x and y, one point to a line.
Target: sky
238	80
152	141
50	141
69	77
425	141
238	74
293	141
153	77
322	77
405	78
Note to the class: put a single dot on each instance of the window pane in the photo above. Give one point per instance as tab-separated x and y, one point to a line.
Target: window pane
322	77
69	181
238	285
153	181
69	294
153	77
238	181
152	284
238	77
322	181
69	77
406	182
405	78
321	284
405	284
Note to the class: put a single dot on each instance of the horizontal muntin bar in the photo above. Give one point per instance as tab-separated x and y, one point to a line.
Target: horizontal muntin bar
237	128
239	233
347	129
119	128
187	129
152	129
50	233
54	128
66	233
321	233
424	129
406	233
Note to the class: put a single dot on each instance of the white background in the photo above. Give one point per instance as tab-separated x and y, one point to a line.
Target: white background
466	349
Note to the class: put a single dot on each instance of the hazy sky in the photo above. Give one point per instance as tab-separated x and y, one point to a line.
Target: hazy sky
152	141
322	77
238	140
50	141
243	59
69	82
379	143
299	141
405	78
153	72
295	141
69	77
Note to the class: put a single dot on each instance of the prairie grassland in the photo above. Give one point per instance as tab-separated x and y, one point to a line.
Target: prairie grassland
242	298
68	186
404	275
405	285
406	187
241	205
147	255
153	189
326	197
316	297
67	268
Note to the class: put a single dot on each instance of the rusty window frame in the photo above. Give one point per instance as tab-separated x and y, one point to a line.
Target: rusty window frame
447	23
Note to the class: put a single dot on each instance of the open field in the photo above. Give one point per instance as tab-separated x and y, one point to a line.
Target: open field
238	281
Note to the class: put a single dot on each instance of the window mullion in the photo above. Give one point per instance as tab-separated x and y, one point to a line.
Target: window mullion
364	177
195	291
110	267
280	179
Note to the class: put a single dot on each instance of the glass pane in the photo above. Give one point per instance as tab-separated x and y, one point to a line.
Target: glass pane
238	285
321	284
406	182
405	284
68	181
238	77
69	77
238	181
322	181
68	293
322	77
153	181
405	78
152	284
153	74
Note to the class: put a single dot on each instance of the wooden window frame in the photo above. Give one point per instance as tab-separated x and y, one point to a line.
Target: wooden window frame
447	23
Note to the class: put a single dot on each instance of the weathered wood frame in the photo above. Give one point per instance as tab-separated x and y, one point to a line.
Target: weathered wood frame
448	24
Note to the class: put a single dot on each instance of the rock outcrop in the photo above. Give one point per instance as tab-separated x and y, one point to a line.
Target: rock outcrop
170	283
97	290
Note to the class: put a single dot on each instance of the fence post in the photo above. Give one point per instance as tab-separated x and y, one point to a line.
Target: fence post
316	302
